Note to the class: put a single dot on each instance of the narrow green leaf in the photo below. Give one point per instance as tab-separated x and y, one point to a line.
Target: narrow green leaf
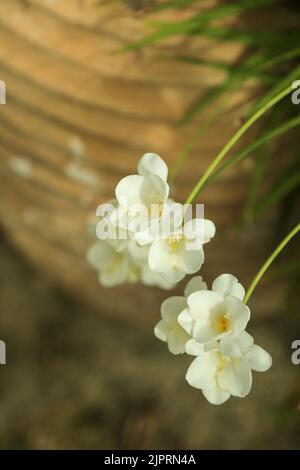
175	4
233	141
240	155
286	183
281	57
235	79
197	23
288	79
262	159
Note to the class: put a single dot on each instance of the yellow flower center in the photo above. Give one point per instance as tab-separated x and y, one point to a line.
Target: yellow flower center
222	361
174	242
221	324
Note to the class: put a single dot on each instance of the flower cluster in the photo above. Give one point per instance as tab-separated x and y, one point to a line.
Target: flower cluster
146	236
210	325
118	263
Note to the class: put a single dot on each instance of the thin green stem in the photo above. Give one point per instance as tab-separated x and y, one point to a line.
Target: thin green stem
234	139
243	153
269	261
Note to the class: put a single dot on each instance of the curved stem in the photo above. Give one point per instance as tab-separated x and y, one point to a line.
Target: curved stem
269	261
266	138
196	190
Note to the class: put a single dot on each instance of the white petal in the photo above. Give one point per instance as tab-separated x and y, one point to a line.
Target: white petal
144	237
258	359
186	321
154	190
171	308
212	346
162	330
215	395
194	284
204	333
129	190
136	252
164	283
173	275
236	347
119	217
227	284
172	217
100	254
151	278
209	230
189	261
119	245
160	258
201	229
236	378
202	371
177	340
116	273
239	314
193	348
202	302
153	163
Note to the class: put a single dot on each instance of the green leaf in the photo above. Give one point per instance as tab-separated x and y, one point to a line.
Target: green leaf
209	97
211	63
233	141
244	69
286	183
270	39
178	4
270	135
236	79
198	22
262	159
293	75
281	57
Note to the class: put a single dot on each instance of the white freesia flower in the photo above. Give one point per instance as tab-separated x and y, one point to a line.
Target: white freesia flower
138	194
181	251
117	263
168	329
114	266
143	234
217	313
225	369
160	227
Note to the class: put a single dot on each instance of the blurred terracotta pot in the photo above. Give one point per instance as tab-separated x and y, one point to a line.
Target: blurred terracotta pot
79	115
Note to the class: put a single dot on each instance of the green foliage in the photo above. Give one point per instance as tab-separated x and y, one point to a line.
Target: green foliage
272	58
265	138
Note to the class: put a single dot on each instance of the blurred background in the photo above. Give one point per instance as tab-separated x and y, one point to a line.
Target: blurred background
91	86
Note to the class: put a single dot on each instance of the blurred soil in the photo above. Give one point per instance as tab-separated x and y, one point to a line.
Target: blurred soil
74	378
